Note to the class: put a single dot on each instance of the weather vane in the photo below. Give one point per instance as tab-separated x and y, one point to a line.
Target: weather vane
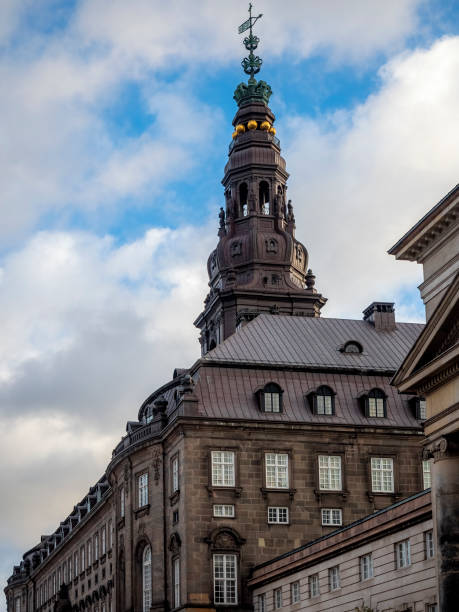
251	64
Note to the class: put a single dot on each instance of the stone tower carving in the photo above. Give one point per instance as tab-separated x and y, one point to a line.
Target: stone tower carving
258	265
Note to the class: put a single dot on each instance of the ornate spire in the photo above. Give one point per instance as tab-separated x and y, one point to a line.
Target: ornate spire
254	90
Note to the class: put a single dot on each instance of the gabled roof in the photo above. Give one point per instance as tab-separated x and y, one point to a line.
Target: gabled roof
310	342
436	348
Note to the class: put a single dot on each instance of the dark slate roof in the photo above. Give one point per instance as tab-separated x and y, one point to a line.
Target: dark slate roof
285	341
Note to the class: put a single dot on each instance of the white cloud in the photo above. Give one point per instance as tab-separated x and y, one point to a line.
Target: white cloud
360	179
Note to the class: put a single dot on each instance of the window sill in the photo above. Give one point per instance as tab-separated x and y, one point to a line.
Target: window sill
289	492
237	492
394	496
174	497
143	511
96	564
343	493
121	523
102	559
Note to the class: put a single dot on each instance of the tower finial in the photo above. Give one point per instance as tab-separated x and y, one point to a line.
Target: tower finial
251	64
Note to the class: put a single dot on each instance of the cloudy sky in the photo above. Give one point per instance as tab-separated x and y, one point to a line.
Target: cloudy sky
115	122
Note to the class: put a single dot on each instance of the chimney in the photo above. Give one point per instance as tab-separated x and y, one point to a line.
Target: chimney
381	315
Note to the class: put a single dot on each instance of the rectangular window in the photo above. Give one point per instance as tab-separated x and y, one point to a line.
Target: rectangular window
17	607
176	572
277	596
75	565
82	559
224	510
271	403
332	516
110	534
432	607
429	544
277	514
103	540
333	578
54	583
382	475
276	470
402	554
175	474
143	490
70	568
426	474
314	585
59	578
261	602
422	410
324	404
122	502
65	568
96	547
366	567
89	554
330	473
223	473
376	407
225	579
175	517
295	592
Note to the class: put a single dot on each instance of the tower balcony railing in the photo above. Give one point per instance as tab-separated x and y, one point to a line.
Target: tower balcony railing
254	136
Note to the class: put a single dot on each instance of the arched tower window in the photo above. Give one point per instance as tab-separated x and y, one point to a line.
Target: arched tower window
263	198
243	195
146	579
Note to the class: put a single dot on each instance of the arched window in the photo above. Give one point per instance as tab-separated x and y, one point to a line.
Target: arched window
146	579
324	401
376	404
264	198
271	398
352	347
243	194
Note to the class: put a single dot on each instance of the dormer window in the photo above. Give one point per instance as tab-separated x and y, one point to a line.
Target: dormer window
271	398
352	347
419	408
324	401
375	403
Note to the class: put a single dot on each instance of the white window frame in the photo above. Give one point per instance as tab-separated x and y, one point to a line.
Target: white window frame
122	502
334	578
331	517
376	407
295	592
142	485
261	600
429	544
277	598
223	510
103	540
278	515
422	410
176	580
427	473
225	581
330	473
314	588
146	579
175	474
223	468
276	470
382	474
271	401
366	567
402	554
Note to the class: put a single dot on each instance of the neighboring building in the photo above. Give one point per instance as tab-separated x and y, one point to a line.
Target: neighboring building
284	429
383	562
431	370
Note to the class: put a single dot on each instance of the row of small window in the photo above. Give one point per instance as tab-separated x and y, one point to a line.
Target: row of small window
280	514
330	472
85	557
322	401
402	558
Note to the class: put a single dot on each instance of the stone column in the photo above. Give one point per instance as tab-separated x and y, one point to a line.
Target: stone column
445	507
